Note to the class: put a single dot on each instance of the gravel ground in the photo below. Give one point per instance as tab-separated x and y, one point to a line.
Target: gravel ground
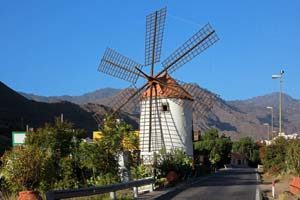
282	190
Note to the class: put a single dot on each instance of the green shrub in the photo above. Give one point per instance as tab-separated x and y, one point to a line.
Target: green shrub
293	157
94	160
106	179
55	157
274	159
174	160
66	177
141	171
24	168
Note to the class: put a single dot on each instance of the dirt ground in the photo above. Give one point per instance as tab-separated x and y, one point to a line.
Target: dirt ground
282	189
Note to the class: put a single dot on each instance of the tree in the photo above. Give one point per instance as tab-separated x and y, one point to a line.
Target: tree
117	136
216	148
247	147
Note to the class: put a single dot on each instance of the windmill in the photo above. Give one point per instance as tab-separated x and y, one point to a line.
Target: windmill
166	105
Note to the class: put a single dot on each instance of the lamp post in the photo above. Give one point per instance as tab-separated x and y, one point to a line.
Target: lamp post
272	118
279	76
266	124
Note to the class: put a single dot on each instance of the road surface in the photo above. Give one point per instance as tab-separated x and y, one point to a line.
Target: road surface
239	184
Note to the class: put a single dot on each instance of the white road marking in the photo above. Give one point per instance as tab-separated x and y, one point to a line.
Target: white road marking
257	194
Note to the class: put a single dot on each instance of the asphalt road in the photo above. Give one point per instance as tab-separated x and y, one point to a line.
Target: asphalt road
230	184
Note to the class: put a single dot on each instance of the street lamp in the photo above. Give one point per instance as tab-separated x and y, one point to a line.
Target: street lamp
266	124
272	117
279	76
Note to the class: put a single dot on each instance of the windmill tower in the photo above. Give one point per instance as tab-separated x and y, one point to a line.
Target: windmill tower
170	120
166	105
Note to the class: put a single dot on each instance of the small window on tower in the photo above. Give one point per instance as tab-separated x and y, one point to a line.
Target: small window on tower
165	107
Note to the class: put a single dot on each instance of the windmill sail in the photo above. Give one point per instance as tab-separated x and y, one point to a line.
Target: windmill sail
155	23
204	100
117	65
127	100
203	39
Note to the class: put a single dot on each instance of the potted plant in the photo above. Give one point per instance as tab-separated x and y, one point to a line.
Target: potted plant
23	168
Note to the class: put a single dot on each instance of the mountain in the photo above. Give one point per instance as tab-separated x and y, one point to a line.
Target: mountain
231	121
257	107
17	111
95	96
234	118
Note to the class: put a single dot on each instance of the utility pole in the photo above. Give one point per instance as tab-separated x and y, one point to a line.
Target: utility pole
272	119
279	76
280	106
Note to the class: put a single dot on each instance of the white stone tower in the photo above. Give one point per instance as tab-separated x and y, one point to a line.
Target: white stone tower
171	118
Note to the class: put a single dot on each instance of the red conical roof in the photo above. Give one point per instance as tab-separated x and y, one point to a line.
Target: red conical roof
165	86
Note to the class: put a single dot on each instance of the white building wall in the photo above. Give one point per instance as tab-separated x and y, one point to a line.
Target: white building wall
170	129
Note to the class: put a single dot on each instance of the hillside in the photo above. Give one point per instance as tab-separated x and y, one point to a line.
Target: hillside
235	118
257	107
241	118
95	96
16	112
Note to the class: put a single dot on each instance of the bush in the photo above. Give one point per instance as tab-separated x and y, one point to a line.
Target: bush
66	176
106	179
95	162
55	157
141	171
60	143
174	160
274	159
293	156
282	156
24	168
4	187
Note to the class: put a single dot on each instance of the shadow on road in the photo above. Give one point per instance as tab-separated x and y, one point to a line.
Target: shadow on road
222	179
230	177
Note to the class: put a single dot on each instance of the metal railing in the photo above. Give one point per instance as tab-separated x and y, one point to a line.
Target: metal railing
64	194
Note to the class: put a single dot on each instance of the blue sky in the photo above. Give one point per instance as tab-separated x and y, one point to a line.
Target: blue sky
54	47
